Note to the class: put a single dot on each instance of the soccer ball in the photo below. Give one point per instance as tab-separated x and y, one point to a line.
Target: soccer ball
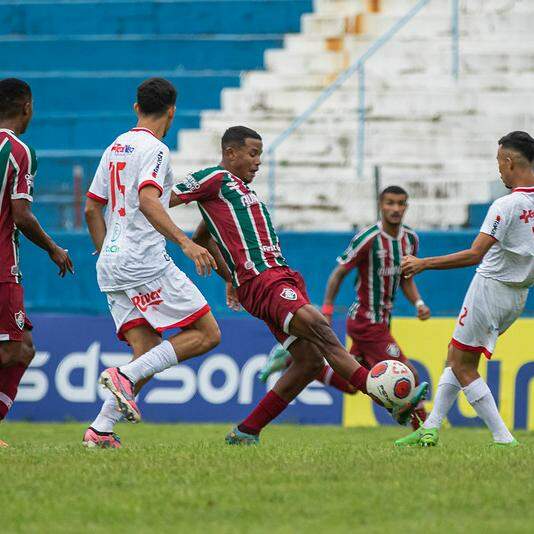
391	382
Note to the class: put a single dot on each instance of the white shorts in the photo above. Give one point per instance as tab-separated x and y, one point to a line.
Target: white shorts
171	301
489	309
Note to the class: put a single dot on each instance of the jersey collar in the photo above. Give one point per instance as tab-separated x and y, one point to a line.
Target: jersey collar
385	234
143	130
523	190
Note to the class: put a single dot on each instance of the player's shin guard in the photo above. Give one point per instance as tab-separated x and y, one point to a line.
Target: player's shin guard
270	407
447	392
10	378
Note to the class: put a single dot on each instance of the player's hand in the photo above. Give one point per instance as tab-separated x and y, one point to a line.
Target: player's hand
60	256
203	260
423	312
411	265
328	317
232	300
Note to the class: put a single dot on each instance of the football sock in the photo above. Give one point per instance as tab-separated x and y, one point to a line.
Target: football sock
9	385
447	392
108	416
154	361
359	379
479	396
329	377
271	406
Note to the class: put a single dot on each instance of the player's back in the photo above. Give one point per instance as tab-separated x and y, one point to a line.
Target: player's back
133	251
510	220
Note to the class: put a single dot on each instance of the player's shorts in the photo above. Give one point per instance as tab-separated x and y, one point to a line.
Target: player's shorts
171	301
13	320
274	296
372	342
489	309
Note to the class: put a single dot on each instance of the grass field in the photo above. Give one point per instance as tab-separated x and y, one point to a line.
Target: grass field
182	478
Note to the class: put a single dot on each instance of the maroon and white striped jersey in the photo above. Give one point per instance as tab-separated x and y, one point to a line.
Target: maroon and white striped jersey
238	221
377	256
18	166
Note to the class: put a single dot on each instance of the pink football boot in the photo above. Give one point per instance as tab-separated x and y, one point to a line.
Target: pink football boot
92	439
123	390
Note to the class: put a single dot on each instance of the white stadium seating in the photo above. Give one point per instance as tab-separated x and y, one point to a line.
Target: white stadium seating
426	131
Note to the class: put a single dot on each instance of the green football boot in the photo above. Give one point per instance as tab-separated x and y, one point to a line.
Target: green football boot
236	437
411	439
429	438
276	361
508	445
402	414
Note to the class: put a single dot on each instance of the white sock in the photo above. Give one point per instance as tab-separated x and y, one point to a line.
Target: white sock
108	416
154	361
479	396
447	392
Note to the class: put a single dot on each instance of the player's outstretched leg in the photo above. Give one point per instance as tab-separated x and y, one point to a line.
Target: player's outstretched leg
194	340
306	364
308	323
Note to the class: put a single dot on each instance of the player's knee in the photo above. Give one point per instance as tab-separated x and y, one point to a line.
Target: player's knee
212	336
27	353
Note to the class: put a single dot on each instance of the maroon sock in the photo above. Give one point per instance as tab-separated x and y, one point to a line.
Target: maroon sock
268	408
329	377
359	379
9	385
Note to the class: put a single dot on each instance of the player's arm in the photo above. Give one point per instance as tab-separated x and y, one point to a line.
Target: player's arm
332	289
411	292
203	238
465	258
175	200
151	207
28	224
94	216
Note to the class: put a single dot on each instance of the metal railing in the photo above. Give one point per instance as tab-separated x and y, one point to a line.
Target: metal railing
359	66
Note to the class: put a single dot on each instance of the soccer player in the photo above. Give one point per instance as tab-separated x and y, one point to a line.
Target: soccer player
496	296
375	252
18	166
235	218
146	292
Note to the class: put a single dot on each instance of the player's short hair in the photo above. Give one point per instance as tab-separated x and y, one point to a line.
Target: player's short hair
14	93
520	142
393	189
155	96
236	135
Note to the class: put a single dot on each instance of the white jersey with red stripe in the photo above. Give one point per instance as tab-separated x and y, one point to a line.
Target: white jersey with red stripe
510	220
133	252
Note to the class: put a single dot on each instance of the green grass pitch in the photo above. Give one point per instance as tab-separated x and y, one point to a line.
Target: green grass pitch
183	478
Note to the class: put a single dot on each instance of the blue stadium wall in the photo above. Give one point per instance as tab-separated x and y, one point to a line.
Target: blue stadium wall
75	340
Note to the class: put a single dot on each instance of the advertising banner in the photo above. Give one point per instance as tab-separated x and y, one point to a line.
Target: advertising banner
222	386
509	373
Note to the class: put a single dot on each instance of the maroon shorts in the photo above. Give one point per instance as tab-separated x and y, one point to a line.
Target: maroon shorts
372	342
13	318
274	296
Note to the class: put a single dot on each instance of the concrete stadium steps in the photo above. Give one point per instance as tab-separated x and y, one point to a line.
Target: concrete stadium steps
134	52
154	17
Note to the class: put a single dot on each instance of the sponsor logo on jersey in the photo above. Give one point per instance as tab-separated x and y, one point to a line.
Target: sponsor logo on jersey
112	249
122	149
526	216
143	302
393	350
190	183
19	319
381	254
389	271
29	181
15	270
249	199
288	294
159	159
495	226
249	265
271	248
116	232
